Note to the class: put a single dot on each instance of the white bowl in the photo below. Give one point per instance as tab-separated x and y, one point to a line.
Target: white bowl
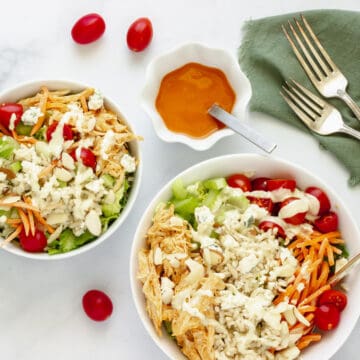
267	167
204	55
31	88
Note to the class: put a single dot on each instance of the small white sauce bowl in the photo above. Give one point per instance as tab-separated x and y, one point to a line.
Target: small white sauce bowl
268	167
31	88
176	58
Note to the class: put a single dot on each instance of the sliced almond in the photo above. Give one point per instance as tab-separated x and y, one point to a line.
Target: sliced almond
290	317
93	223
62	174
57	218
211	256
67	161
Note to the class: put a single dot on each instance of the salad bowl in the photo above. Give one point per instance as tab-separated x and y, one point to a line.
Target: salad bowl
29	89
261	166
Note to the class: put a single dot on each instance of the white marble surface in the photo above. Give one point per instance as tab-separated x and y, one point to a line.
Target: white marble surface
40	303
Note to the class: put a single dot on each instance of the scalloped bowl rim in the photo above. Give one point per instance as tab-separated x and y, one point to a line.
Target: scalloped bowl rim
225	165
29	88
179	56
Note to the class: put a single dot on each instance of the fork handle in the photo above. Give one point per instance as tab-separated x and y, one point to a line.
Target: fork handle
344	96
345	129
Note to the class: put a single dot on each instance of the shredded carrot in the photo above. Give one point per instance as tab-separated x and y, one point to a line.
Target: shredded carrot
315	295
13	221
324	274
323	247
43	222
306	340
25	221
23	139
307	308
4	130
83	103
31	222
42	105
336	250
330	256
12	236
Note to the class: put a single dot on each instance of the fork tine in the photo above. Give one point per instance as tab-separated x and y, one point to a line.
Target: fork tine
302	61
312	63
313	106
318	44
301	115
300	104
309	94
325	68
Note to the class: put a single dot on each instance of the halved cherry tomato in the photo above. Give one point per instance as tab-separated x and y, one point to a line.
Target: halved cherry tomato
67	132
33	243
97	305
88	29
274	184
296	219
327	223
327	317
322	198
334	297
259	183
87	157
262	202
267	225
239	181
6	111
139	34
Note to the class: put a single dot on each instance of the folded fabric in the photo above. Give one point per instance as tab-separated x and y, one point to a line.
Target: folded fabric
268	60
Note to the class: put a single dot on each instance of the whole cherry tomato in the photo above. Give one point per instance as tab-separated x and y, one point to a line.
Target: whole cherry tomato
88	29
259	183
239	181
139	34
7	110
327	317
321	197
33	243
87	157
327	223
97	305
274	184
67	132
262	202
334	297
267	225
296	219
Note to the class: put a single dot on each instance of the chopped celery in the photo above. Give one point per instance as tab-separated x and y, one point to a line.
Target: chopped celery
5	212
210	198
40	135
109	181
61	183
185	208
7	146
22	129
215	184
168	327
240	202
220	216
179	190
111	209
16	166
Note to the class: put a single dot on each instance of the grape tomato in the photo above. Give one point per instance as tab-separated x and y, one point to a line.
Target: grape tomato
139	34
239	181
6	112
33	243
327	317
334	297
97	305
88	29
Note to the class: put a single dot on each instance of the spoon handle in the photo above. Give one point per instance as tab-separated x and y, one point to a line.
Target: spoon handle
344	270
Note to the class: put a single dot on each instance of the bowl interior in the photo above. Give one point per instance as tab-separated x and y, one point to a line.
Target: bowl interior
31	88
262	166
194	52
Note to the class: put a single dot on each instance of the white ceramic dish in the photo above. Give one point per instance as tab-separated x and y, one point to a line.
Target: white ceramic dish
193	52
30	88
269	167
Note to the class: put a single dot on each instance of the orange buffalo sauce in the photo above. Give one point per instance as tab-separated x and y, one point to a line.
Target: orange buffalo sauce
187	93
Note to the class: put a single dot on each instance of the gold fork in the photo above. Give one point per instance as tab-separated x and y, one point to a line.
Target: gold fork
321	70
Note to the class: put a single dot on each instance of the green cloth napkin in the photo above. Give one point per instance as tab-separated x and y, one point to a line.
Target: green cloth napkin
267	58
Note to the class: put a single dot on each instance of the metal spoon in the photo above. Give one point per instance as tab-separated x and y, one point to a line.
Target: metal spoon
243	129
